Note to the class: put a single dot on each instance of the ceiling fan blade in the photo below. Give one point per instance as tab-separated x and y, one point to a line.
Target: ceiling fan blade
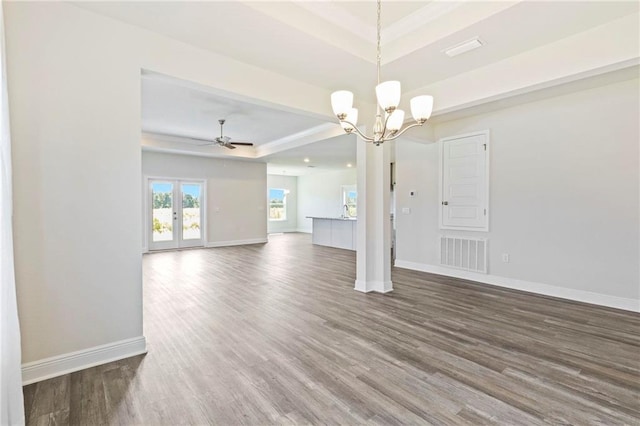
228	145
241	143
186	139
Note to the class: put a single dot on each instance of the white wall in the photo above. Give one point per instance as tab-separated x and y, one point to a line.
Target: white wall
320	194
75	121
564	195
74	92
235	200
291	223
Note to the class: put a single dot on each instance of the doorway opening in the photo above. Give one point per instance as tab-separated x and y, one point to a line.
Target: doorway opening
176	213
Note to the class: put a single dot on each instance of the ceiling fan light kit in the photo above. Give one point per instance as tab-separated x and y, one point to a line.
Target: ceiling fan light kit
388	96
225	140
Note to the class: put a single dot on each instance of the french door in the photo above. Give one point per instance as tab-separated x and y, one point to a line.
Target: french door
176	213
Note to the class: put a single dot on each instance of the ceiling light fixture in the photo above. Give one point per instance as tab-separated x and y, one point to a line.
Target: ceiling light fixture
306	160
388	96
349	165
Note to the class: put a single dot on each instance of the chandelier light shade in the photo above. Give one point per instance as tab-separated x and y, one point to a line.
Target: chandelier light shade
342	102
421	107
396	120
388	96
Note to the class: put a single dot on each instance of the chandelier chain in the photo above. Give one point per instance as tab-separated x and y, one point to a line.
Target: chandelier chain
378	55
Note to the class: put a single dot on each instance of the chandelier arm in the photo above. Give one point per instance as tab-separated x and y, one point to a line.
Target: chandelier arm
362	135
404	130
384	128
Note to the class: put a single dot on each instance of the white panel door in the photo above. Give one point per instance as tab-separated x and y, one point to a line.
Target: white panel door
464	173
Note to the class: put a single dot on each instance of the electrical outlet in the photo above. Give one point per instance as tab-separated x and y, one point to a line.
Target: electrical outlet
505	257
406	210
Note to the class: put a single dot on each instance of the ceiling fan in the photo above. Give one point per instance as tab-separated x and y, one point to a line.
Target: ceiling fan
225	141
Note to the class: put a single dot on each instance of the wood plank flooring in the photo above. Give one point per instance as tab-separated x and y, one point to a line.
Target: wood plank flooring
275	334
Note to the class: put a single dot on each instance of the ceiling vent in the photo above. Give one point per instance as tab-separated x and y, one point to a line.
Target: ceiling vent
463	47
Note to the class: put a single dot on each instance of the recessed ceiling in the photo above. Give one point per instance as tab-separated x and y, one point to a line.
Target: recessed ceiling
392	11
513	31
174	107
330	154
331	45
186	110
306	41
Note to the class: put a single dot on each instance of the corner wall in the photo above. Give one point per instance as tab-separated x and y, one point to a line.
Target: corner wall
74	99
564	196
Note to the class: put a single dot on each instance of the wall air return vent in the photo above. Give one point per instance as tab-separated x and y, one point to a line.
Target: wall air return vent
469	254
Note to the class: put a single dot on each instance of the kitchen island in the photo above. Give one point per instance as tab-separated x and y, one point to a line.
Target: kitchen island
339	232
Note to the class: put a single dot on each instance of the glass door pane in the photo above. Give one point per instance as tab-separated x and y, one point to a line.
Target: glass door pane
191	217
162	213
177	214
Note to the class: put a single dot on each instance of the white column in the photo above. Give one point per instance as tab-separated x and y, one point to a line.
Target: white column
373	266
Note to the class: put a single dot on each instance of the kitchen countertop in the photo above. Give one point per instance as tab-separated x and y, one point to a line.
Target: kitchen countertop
332	218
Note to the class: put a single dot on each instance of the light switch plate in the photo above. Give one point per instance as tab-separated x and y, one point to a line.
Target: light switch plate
406	210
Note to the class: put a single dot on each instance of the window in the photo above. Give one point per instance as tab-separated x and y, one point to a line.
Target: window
350	200
278	204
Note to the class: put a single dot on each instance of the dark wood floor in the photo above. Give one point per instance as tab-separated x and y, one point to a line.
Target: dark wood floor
275	334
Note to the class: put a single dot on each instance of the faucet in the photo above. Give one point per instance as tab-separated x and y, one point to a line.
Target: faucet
345	211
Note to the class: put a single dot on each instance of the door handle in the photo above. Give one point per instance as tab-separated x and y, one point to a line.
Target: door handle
445	203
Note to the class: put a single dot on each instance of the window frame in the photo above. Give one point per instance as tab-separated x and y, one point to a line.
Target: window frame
285	192
345	195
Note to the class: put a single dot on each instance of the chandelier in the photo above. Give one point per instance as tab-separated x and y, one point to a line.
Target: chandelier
388	96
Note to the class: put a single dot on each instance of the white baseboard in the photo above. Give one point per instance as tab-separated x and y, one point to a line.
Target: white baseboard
236	242
373	286
145	249
528	286
304	231
282	231
47	368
